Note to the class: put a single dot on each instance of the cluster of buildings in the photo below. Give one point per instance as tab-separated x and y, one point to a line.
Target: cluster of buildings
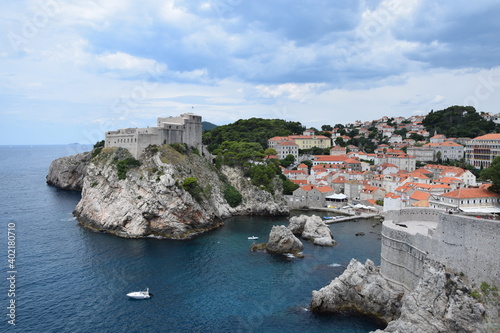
389	176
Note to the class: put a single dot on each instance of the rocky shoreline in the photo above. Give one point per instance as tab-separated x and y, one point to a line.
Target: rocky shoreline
150	200
441	302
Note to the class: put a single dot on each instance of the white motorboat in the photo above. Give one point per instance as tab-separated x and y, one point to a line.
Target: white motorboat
253	237
144	294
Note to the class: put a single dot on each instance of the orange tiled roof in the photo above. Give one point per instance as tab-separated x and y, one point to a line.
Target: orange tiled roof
324	189
419	195
299	181
465	193
307	187
494	136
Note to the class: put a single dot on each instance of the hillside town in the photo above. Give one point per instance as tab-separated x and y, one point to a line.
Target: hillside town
409	167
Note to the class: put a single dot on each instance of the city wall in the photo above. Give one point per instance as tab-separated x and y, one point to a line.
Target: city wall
463	244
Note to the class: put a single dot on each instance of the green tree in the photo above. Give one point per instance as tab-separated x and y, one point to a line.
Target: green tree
289	187
340	142
492	174
287	161
326	128
232	196
190	184
237	153
270	152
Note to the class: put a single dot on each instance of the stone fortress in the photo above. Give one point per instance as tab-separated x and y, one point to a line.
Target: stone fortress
464	244
186	128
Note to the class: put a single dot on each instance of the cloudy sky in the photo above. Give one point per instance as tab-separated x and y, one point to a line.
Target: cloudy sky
72	69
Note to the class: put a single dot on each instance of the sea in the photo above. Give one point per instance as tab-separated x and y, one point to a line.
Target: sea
58	276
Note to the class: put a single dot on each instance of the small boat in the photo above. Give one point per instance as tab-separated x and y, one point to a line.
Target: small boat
144	294
253	237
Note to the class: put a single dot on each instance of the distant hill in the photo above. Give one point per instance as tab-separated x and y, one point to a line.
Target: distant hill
458	121
207	126
251	130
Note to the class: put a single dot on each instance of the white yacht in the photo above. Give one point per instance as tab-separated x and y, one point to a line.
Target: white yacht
144	294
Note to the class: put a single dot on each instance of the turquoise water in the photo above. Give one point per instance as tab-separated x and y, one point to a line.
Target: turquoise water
70	279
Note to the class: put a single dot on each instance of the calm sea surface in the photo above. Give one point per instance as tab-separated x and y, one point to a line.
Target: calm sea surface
69	279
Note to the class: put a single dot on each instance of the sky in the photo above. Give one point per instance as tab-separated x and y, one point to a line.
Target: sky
73	69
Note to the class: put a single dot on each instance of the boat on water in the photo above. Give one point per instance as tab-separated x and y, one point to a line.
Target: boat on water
143	294
253	237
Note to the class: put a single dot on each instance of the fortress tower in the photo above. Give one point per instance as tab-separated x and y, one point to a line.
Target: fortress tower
186	129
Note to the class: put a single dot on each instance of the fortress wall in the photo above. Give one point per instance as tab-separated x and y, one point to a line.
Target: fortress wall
414	214
187	128
462	244
402	254
126	138
469	245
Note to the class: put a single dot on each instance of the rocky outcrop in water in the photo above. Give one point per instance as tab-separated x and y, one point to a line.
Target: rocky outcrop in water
282	240
441	302
297	224
149	197
360	289
312	228
317	230
68	173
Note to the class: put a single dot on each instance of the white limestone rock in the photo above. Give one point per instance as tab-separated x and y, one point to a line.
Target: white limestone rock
297	224
441	302
151	201
256	201
359	289
68	172
317	230
282	240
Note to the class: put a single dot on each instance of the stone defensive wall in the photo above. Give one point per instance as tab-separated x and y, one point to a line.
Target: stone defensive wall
463	244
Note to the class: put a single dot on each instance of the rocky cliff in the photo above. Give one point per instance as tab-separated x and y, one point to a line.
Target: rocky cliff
68	173
360	289
149	197
441	302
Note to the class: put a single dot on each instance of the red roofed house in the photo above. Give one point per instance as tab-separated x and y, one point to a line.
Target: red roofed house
469	200
372	193
286	148
307	196
338	150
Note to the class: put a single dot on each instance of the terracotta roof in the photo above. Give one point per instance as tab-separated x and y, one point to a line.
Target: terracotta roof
330	158
299	181
279	138
447	180
443	144
465	193
307	187
419	195
301	172
324	189
311	137
369	189
339	180
421	203
423	171
494	136
302	165
287	143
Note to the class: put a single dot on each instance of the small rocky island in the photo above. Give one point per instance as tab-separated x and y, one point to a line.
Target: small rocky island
171	191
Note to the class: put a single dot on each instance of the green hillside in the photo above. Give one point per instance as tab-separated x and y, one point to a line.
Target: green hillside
251	130
458	121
